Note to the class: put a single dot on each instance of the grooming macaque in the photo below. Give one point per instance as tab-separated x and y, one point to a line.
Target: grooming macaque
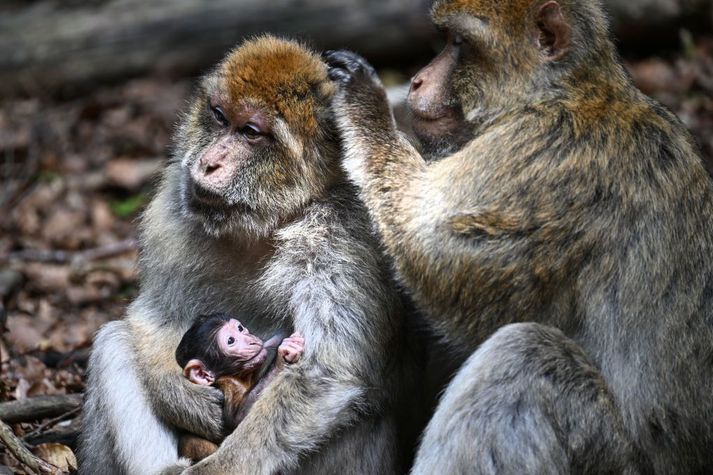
218	350
255	217
558	228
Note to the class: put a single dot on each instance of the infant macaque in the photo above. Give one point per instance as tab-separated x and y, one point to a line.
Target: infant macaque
218	350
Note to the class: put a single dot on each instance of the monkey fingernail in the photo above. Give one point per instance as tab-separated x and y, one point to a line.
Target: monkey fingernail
340	75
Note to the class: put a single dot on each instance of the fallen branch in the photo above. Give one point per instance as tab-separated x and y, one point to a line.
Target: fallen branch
57	435
46	46
46	425
21	453
40	407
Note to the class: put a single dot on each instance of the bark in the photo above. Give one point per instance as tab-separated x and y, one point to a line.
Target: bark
51	46
40	407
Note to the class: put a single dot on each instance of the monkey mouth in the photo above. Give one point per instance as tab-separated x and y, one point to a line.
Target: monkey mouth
437	125
202	197
257	359
210	204
442	113
432	115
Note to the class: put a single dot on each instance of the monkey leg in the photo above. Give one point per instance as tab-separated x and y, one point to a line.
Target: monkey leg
195	448
120	432
365	456
527	401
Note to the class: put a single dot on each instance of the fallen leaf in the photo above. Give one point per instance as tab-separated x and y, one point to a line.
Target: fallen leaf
58	455
47	277
132	174
24	334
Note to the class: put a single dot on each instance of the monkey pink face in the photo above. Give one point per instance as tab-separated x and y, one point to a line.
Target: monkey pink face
234	340
431	98
251	146
218	165
437	113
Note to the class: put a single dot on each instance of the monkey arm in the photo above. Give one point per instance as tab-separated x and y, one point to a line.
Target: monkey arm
301	408
473	251
297	412
194	408
338	299
238	397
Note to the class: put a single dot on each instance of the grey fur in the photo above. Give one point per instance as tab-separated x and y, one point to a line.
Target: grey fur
306	261
579	204
327	280
527	401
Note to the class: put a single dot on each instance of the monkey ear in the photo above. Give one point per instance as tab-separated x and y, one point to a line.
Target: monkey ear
197	373
554	33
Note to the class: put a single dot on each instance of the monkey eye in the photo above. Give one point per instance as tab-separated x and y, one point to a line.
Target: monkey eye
231	341
240	328
251	132
457	40
219	116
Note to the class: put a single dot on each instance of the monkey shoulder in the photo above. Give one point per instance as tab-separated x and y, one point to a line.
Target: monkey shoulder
331	249
337	223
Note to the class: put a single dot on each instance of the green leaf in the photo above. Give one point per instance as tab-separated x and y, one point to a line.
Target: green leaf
130	206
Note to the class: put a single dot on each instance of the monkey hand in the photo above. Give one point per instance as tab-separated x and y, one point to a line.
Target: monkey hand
347	68
205	400
361	111
291	349
361	98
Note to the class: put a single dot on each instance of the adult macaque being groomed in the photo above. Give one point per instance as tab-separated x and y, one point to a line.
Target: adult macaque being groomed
218	350
254	216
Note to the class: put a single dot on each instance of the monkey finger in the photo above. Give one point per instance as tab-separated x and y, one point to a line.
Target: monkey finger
294	336
295	339
350	61
293	346
296	345
291	354
287	355
339	75
342	60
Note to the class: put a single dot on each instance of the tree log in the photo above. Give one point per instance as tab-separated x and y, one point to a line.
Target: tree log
49	46
40	407
53	43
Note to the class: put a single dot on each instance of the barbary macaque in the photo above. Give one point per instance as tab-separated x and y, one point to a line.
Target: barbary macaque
557	228
254	216
218	350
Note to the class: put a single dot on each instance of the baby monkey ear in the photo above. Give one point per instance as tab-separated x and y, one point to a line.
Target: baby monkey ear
197	373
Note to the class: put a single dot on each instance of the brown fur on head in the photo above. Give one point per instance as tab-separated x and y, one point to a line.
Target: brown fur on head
282	75
257	142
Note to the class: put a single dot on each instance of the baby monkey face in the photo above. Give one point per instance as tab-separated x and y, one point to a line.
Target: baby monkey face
235	340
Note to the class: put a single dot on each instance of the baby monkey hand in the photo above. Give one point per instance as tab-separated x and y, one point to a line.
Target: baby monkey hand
291	348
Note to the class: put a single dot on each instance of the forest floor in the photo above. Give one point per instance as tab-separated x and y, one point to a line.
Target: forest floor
75	176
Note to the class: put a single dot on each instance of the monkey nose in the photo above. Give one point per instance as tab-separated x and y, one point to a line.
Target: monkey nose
214	171
416	82
210	168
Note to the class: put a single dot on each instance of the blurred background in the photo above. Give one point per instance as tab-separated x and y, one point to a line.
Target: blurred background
89	93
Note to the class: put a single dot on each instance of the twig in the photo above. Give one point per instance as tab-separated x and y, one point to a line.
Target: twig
50	423
37	255
110	250
65	257
21	453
